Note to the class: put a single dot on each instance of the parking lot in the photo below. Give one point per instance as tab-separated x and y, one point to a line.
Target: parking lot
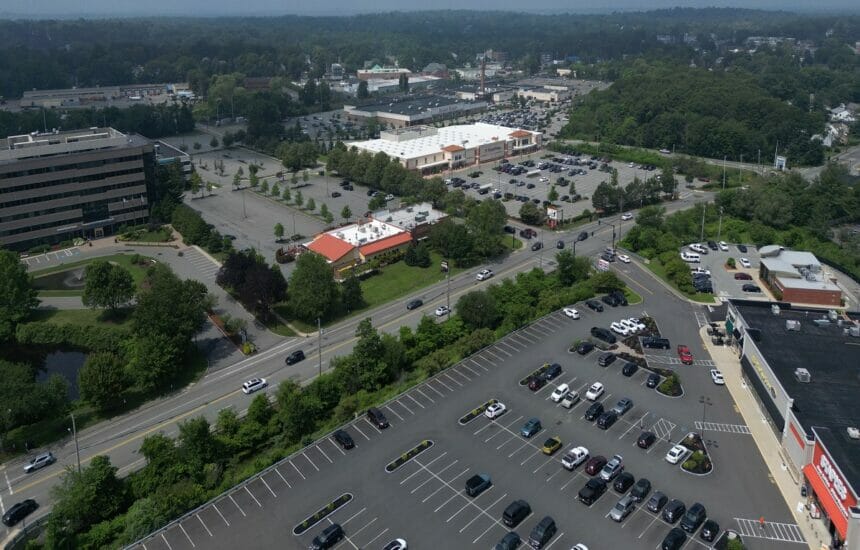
423	500
724	281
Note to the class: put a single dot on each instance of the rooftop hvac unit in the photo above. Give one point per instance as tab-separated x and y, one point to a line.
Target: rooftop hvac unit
853	432
821	322
802	375
832	315
774	309
854	331
409	209
792	325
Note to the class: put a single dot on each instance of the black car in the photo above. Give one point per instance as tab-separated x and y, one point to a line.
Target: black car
603	334
536	383
742	247
607	419
629	369
335	194
371	191
619	296
646	439
19	511
509	229
710	530
713	245
377	418
559	244
750	288
477	484
674	511
657	501
592	491
537	246
640	489
511	541
610	300
542	532
343	439
594	305
516	511
295	357
623	482
595	410
674	539
582	236
655	342
584	348
694	517
653	380
330	536
552	371
413	304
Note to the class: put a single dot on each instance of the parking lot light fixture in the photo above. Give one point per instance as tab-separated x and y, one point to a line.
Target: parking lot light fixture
706	402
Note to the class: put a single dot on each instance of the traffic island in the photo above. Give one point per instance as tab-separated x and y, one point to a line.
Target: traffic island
408	455
538	372
698	463
671	384
730	540
475	413
322	513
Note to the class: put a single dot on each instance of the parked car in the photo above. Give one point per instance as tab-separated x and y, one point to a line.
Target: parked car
612	468
655	342
623	482
584	348
330	536
629	369
622	509
717	377
343	439
745	262
713	245
723	246
653	380
676	453
542	532
40	461
695	516
495	410
591	491
623	405
553	371
684	354
594	465
574	457
593	411
656	502
249	387
742	248
477	484
624	258
741	276
396	544
530	428
674	539
537	246
551	445
536	382
607	419
510	541
673	511
618	328
640	489
295	357
594	305
710	530
646	439
560	393
571	312
751	288
335	194
602	334
516	511
377	418
571	399
595	391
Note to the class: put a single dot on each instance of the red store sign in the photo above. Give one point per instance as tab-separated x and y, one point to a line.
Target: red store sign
832	489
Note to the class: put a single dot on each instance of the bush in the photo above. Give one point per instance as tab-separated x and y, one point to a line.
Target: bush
89	337
731	263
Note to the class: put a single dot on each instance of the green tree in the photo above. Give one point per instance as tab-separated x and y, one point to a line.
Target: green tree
418	254
571	268
210	187
213	143
552	196
478	309
17	295
345	212
86	498
101	380
300	200
279	231
324	210
313	290
286	195
531	214
363	93
107	285
264	186
305	176
237	180
376	202
294	179
352	296
368	353
276	190
328	217
24	400
486	222
254	180
195	183
311	205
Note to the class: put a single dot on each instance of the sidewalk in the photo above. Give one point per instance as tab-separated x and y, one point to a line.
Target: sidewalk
787	480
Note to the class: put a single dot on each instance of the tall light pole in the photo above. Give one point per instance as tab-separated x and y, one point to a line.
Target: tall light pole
724	171
706	402
720	227
74	431
448	291
704	209
319	344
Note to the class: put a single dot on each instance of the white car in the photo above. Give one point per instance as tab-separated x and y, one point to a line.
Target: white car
637	323
676	453
624	258
580	546
619	328
696	247
746	262
442	310
627	216
631	328
254	384
595	391
571	312
389	197
495	410
574	457
701	270
544	179
717	377
560	393
396	544
484	274
723	246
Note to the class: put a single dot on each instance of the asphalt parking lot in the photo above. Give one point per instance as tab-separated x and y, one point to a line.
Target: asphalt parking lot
423	501
723	280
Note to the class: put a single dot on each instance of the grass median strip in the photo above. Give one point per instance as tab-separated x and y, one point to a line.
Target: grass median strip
475	413
538	372
322	513
408	455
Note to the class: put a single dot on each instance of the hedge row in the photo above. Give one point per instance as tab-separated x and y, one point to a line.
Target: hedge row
93	338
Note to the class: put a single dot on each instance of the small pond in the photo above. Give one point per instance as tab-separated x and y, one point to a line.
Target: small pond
66	364
70	279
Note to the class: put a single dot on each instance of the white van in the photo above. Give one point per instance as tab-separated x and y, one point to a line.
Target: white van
691	257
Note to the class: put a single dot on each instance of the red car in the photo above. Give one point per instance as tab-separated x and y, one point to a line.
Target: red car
536	383
685	355
743	276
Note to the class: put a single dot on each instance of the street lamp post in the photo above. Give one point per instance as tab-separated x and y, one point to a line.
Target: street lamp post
704	209
74	431
319	344
720	226
706	402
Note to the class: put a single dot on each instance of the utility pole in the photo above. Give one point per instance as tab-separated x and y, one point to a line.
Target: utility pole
319	344
759	161
705	401
704	209
724	171
74	431
245	212
448	291
741	171
720	227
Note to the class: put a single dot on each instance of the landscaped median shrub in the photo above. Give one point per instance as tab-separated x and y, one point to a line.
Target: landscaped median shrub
671	386
89	337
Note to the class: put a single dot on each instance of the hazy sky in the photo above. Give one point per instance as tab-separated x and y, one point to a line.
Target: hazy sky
85	8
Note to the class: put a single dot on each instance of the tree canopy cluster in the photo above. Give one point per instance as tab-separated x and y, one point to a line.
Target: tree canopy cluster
257	285
699	112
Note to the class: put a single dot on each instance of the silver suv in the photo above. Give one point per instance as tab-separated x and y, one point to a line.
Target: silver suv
612	468
42	460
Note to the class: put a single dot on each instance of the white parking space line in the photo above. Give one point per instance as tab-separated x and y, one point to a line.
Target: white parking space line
407	409
465	366
220	514
297	470
352	517
165	542
252	496
479	515
336	446
547	480
558	538
422	469
237	505
468	502
366	525
392	411
531	456
480	366
572	479
267	487
283	478
499	349
449	377
323	453
635	424
429	387
545	462
359	431
504	430
456	371
431	478
368	543
642	534
203	524
452	497
186	536
519	339
366	421
526	444
444	485
490	352
311	461
507	345
416	401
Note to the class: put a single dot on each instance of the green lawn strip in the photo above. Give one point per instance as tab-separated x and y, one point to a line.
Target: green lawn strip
50	293
512	244
279	328
632	297
83	317
138	272
657	269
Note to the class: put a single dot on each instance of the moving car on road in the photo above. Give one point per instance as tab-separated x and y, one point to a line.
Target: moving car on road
19	511
295	357
254	384
442	311
414	304
624	258
717	377
685	355
745	262
39	462
484	274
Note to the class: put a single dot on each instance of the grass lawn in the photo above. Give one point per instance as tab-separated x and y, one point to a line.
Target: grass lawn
632	297
138	272
84	317
280	328
144	236
511	244
657	269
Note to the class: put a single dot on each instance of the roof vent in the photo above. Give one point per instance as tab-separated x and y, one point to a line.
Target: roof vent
792	325
821	322
832	315
774	309
853	432
802	375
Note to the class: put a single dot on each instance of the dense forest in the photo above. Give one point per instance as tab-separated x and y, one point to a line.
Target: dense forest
712	114
57	54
